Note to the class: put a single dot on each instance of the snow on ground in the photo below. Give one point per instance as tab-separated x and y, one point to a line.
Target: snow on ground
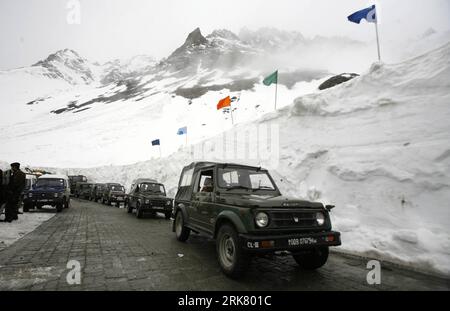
120	132
378	147
27	222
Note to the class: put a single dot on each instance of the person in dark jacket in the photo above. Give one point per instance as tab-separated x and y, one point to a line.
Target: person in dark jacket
2	195
13	191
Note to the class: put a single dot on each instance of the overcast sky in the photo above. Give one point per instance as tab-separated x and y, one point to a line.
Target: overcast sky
32	29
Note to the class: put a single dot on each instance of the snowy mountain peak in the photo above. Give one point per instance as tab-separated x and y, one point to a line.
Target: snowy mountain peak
223	33
195	38
67	65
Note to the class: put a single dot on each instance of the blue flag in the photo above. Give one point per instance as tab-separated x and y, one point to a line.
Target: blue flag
369	14
182	130
156	142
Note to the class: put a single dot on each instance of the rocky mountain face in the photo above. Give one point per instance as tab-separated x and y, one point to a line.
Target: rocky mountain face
118	70
67	65
251	53
221	49
221	60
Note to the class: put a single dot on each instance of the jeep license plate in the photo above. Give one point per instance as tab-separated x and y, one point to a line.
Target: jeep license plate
301	241
43	200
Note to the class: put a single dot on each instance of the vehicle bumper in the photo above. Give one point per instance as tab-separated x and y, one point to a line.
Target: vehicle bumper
153	208
117	200
38	201
289	242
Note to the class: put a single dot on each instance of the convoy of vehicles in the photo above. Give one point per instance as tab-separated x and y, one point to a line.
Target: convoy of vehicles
242	208
52	190
148	196
239	206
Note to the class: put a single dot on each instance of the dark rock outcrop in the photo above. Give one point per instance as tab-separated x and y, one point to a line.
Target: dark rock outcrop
333	81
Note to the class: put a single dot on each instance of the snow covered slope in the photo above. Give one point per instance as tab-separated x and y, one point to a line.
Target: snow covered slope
128	104
377	146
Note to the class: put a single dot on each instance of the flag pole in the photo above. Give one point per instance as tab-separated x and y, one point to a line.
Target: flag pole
276	91
231	111
378	41
159	151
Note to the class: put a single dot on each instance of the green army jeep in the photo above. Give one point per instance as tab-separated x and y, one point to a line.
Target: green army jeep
242	208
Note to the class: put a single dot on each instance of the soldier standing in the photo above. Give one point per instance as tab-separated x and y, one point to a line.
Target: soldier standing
14	190
2	194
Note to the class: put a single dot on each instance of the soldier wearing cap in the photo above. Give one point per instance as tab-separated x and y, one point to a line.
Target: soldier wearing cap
13	191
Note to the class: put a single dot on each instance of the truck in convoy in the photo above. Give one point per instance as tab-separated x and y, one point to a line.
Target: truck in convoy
74	179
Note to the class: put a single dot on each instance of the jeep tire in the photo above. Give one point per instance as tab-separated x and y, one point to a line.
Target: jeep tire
232	258
59	207
181	231
67	203
312	259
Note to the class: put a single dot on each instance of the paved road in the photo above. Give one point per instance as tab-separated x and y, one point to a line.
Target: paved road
117	251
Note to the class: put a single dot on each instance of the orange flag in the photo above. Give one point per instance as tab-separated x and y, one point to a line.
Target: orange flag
226	102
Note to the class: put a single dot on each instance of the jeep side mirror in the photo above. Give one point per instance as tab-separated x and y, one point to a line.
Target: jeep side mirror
329	207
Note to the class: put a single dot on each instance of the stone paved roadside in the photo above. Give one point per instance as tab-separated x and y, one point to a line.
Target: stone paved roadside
117	251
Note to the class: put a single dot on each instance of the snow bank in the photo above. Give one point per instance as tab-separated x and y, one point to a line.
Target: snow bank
378	147
11	232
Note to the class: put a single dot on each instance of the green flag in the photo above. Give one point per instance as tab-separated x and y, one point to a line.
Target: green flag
273	78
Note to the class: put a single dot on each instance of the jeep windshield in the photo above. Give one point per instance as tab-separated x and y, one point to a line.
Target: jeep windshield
49	182
117	188
76	179
231	178
152	188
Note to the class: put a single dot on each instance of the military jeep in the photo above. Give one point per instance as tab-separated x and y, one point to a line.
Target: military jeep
74	179
242	208
83	190
113	193
97	192
147	196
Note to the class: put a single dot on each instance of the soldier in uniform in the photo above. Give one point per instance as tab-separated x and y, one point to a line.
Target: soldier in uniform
13	191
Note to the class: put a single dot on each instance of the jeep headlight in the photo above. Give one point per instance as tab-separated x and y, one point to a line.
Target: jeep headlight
30	195
262	219
320	218
147	201
168	203
56	195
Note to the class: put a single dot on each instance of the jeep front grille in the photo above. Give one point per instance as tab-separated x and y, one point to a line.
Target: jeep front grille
158	202
294	219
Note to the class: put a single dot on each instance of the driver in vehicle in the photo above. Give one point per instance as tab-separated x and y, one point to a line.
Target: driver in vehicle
207	185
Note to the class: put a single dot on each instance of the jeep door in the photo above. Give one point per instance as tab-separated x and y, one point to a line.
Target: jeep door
132	196
203	200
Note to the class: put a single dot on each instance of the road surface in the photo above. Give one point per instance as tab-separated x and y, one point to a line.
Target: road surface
117	251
